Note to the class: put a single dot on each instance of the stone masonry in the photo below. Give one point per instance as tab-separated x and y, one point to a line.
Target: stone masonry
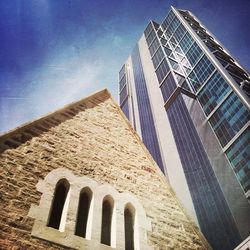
90	138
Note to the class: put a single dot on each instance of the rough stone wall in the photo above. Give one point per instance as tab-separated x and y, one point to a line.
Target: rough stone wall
94	139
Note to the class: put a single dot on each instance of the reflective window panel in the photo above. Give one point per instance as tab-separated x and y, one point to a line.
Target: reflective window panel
201	72
162	70
213	92
230	117
239	156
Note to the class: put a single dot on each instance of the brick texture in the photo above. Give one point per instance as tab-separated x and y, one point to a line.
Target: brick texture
92	138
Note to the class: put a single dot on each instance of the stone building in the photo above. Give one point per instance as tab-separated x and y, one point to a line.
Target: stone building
80	178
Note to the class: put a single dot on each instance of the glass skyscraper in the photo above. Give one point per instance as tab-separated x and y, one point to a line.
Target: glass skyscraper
188	99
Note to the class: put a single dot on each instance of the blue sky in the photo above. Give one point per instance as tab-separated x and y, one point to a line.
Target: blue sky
58	51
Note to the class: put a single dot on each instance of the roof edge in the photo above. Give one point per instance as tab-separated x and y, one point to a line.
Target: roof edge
50	114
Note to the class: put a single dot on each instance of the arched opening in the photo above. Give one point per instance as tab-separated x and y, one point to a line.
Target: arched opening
57	210
83	212
107	215
129	224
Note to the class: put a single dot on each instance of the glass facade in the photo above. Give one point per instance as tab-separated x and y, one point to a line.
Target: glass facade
224	58
212	210
154	46
168	87
229	118
175	65
186	42
122	72
122	82
151	37
148	29
200	73
158	56
149	136
213	92
172	27
231	115
123	93
209	202
239	156
179	60
194	54
168	20
123	88
179	33
125	109
162	70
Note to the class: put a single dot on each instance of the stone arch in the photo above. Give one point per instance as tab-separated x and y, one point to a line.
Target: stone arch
59	205
141	223
130	228
100	194
81	184
83	218
107	226
103	192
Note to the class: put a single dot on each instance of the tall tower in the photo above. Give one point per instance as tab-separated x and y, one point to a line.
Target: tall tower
188	100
